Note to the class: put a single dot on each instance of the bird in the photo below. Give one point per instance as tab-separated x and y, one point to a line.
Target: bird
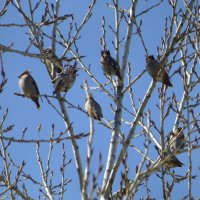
52	58
176	139
157	71
29	87
64	81
109	65
172	162
92	108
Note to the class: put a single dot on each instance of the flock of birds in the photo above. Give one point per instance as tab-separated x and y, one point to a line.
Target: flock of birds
65	80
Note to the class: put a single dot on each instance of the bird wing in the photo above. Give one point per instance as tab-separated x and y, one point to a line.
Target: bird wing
166	79
157	68
116	67
97	109
58	84
114	63
176	161
61	81
34	85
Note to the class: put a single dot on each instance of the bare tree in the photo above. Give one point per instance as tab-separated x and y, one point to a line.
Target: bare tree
148	127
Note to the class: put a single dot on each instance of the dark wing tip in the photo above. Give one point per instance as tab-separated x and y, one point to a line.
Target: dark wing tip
180	164
170	84
166	80
35	100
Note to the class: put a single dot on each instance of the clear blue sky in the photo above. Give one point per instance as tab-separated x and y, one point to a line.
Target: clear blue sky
23	113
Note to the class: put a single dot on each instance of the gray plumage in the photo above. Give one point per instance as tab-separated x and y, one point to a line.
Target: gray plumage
64	81
29	87
156	71
52	58
93	109
176	139
109	65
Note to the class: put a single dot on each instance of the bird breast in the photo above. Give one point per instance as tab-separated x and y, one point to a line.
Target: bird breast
27	87
107	66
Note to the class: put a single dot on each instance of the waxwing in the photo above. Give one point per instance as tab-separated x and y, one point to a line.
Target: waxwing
176	139
64	81
52	58
92	108
109	65
29	87
173	161
156	71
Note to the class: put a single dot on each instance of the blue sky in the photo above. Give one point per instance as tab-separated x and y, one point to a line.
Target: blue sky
23	113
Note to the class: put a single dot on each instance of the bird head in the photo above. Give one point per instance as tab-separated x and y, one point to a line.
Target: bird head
178	131
105	53
71	70
74	70
90	96
27	72
170	136
150	58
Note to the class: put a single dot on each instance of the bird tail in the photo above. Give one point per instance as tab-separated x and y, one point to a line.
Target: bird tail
119	75
166	80
96	116
35	100
179	163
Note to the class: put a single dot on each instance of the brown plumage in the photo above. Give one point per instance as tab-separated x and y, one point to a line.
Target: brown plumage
52	58
93	109
156	71
109	65
29	87
173	161
176	139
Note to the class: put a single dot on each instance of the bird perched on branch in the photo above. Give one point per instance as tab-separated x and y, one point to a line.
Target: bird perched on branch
109	65
173	161
170	161
29	87
92	108
64	81
156	71
51	58
176	139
